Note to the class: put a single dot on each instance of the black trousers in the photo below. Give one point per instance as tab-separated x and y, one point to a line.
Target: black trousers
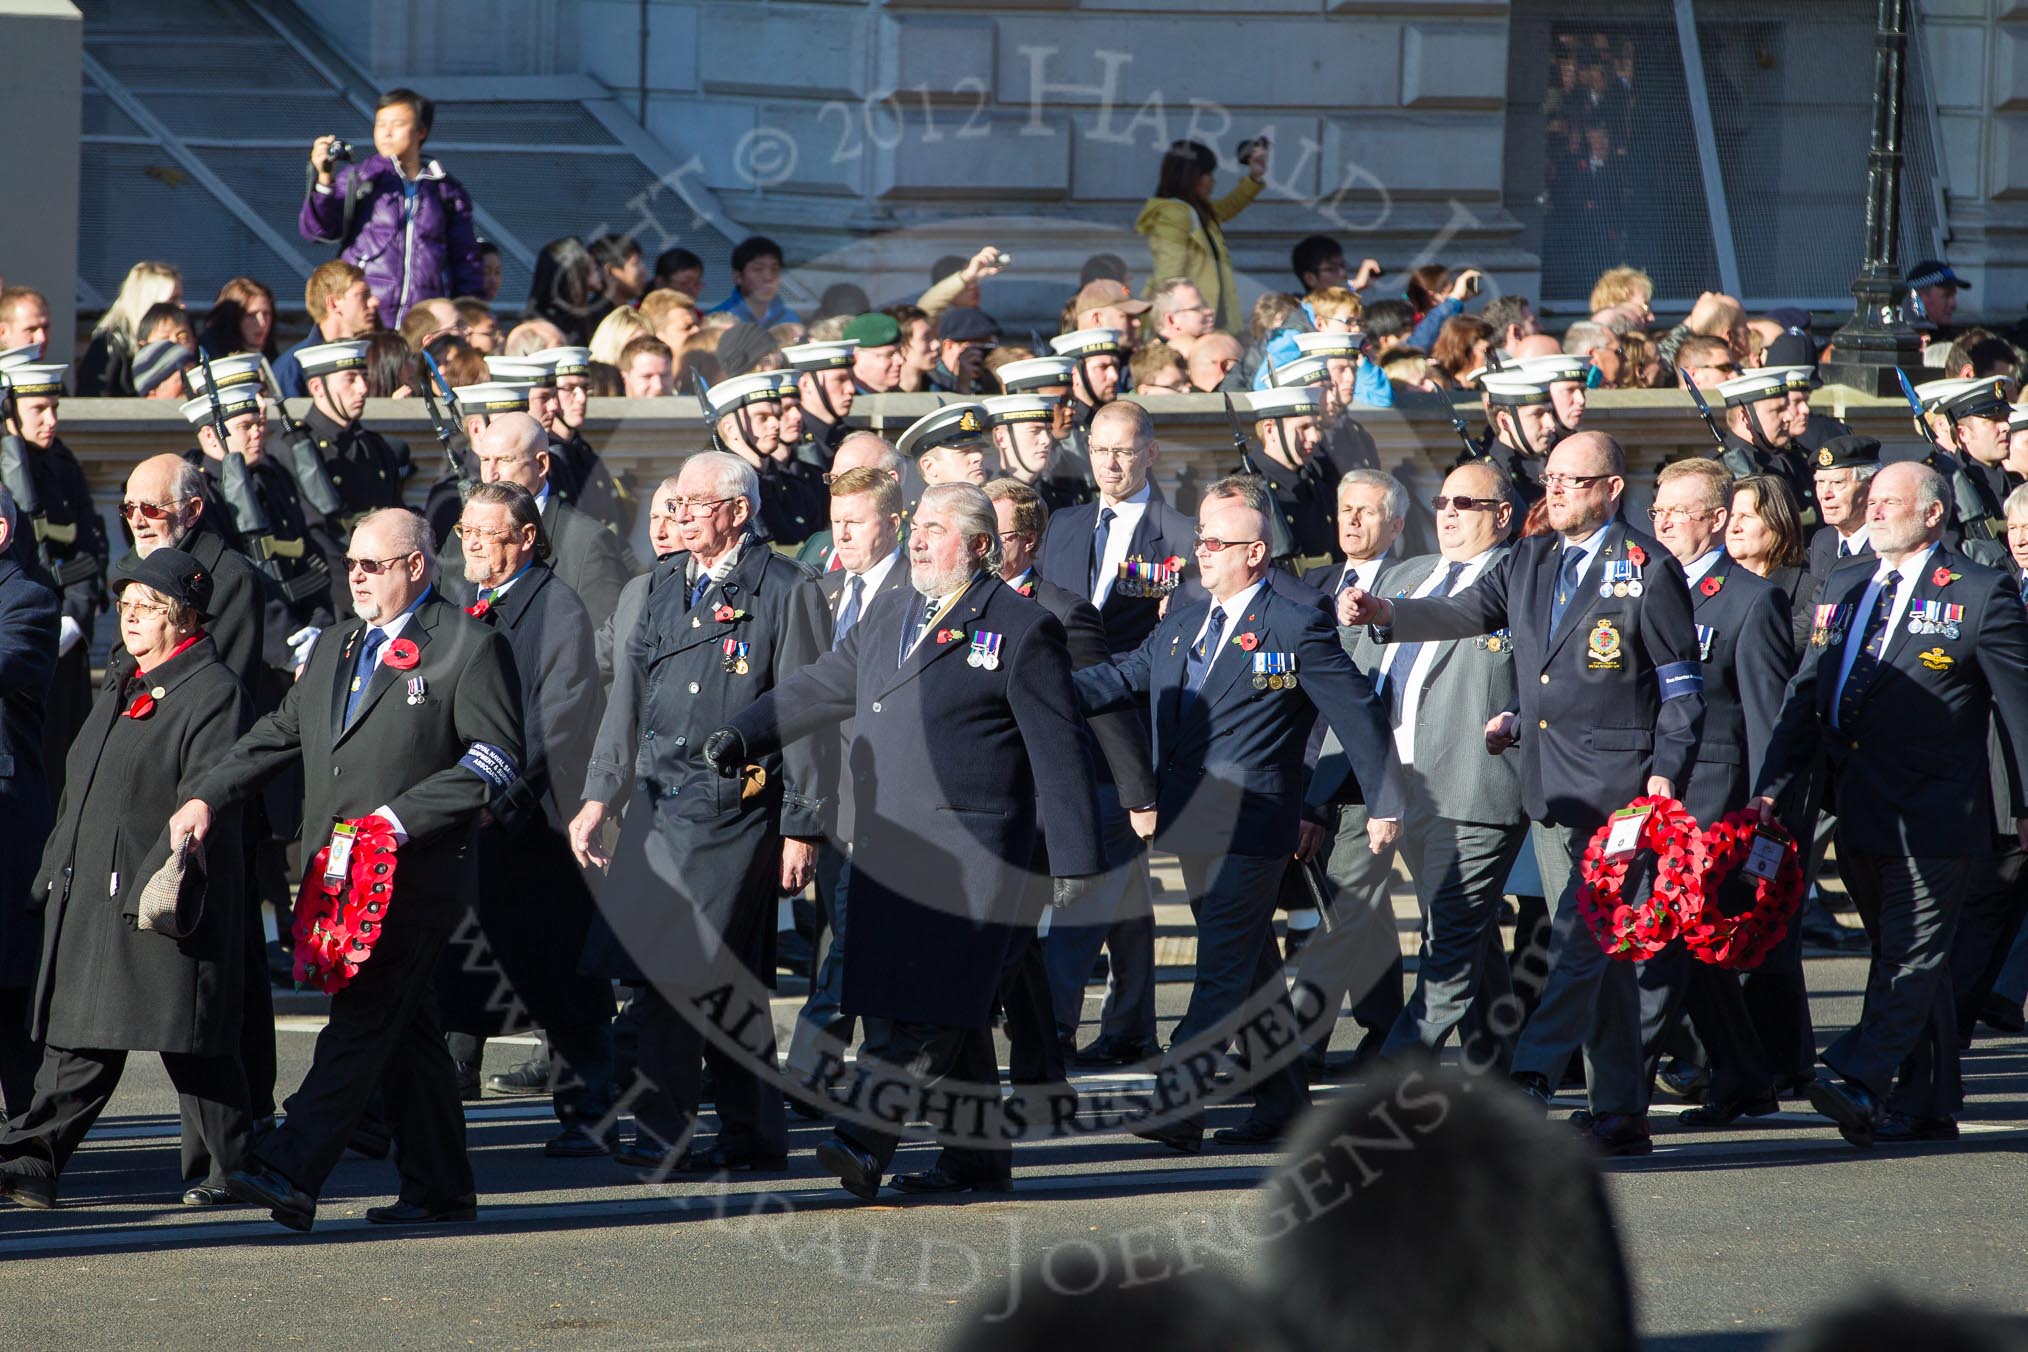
1995	902
752	1119
823	1014
383	1034
19	1054
1034	1056
1907	1034
257	987
74	1085
1233	898
928	1054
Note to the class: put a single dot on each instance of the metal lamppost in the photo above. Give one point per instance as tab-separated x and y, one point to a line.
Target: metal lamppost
1877	339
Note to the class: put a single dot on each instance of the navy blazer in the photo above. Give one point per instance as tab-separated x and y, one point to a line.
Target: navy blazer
1748	656
947	763
1595	723
1911	775
1162	532
28	627
1229	761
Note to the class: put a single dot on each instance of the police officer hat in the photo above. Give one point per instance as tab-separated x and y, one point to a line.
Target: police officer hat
1286	401
243	368
1516	389
736	392
1036	373
1934	272
233	402
873	330
1848	452
1987	398
495	396
171	573
833	356
952	425
529	370
564	361
1003	409
1753	387
1089	343
320	360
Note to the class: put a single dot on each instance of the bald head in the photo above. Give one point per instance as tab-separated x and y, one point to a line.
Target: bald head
169	484
513	448
866	450
533	335
1211	357
1585	476
1904	509
1537	345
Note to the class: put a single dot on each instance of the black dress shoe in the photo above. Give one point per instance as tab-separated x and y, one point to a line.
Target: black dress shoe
718	1161
574	1144
1533	1085
941	1180
1851	1106
36	1190
288	1204
857	1171
1617	1134
1794	1086
468	1081
1903	1129
1187	1137
1119	1051
1724	1112
2003	1015
643	1154
414	1213
1251	1132
207	1194
530	1079
1686	1080
1581	1121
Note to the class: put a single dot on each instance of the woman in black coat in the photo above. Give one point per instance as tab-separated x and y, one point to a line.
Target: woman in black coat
1765	537
135	958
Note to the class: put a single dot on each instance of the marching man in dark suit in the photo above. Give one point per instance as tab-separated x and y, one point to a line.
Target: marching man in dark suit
1230	732
28	628
962	710
866	513
427	758
1082	551
1914	652
512	959
1611	700
1745	645
701	860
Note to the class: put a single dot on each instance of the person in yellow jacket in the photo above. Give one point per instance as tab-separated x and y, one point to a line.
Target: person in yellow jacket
1182	222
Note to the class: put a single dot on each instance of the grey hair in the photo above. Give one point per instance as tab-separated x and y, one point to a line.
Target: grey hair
734	476
1583	336
890	459
9	512
1397	492
974	511
411	534
1248	490
520	505
189	483
1503	481
2015	505
1929	487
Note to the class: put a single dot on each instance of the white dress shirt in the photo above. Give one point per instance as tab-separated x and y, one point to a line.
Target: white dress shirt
1127	514
1911	571
1694	571
1411	694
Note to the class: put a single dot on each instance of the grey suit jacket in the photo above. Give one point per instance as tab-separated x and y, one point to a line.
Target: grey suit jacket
1467	681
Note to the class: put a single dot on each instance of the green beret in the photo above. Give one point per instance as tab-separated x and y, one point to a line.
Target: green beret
874	330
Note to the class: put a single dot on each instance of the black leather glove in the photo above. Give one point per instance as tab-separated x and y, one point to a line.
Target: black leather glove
725	753
1068	891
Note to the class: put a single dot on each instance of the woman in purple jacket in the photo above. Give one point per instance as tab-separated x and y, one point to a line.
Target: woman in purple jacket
400	218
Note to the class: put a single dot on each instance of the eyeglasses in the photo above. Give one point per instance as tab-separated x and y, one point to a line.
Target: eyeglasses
148	511
1114	452
1572	481
465	532
1463	504
1212	545
373	567
140	610
1662	515
682	507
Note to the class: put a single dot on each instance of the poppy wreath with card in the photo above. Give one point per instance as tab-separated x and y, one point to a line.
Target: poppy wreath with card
338	920
1742	942
1627	931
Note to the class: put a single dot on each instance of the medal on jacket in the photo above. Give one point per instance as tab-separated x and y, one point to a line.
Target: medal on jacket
735	658
1927	618
1498	641
1274	671
1622	578
416	689
1828	628
985	650
1705	633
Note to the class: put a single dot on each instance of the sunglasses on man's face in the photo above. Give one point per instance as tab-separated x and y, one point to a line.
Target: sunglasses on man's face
1464	504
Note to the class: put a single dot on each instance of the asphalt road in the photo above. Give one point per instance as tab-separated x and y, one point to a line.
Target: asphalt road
1731	1235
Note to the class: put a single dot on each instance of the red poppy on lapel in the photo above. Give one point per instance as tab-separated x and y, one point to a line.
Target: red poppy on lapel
1710	585
949	635
143	705
724	613
1174	561
477	610
1638	555
1248	641
402	654
1943	577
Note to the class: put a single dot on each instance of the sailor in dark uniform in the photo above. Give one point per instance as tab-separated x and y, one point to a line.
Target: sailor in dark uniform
824	382
1968	428
364	467
575	470
1299	471
1522	418
1759	439
746	421
1066	479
